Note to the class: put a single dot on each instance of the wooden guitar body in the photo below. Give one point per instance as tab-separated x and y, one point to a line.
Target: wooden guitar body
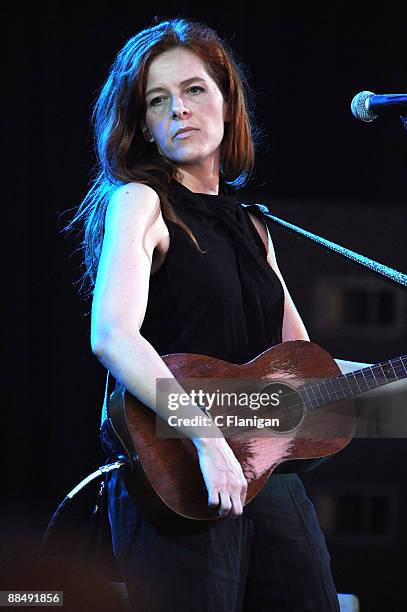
165	474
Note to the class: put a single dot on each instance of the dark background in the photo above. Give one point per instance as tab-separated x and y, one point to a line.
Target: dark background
320	167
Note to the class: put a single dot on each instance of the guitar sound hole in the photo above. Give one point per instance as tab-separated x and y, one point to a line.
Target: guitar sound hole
285	405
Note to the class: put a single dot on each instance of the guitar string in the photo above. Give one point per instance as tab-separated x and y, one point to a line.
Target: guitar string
310	387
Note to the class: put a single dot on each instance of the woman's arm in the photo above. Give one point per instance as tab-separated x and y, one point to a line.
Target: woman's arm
293	326
132	229
120	299
350	366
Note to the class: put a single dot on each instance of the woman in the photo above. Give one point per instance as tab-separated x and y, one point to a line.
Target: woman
176	265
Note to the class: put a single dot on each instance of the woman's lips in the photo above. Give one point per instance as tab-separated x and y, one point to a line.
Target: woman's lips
185	134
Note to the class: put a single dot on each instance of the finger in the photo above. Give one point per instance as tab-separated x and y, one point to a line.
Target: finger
213	498
237	509
225	504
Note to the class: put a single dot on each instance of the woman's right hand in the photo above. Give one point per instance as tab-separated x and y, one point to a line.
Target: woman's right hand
223	476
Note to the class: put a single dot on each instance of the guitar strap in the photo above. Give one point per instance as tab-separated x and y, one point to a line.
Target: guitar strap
393	276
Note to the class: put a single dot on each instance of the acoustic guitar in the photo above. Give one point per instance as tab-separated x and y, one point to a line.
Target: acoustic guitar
313	419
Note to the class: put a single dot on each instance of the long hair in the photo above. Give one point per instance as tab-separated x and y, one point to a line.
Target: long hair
123	154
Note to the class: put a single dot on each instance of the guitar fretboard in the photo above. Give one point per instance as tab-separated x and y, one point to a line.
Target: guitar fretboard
345	386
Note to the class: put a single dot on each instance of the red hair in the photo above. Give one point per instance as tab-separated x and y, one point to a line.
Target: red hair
123	154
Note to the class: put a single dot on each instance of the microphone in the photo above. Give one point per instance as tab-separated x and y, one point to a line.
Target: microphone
367	105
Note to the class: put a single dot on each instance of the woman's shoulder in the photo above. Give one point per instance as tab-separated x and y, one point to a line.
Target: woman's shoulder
135	201
134	191
133	204
138	206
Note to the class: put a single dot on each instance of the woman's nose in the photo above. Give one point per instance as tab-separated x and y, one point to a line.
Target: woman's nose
178	108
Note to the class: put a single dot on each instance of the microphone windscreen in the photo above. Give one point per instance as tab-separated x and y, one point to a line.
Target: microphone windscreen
360	108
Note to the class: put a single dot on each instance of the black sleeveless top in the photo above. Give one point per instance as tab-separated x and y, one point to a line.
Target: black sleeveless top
226	303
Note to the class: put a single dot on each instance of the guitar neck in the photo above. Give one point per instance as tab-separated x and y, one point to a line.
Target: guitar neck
346	386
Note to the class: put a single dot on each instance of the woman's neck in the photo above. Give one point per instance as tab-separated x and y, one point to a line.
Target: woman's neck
199	180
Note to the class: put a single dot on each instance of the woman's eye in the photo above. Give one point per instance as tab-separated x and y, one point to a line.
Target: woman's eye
156	101
194	89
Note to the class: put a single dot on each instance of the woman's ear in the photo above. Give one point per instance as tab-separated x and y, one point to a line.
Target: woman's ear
146	133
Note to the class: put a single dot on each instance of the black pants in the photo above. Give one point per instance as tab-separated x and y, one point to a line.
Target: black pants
273	558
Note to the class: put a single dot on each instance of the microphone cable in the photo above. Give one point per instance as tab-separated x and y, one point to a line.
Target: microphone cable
100	472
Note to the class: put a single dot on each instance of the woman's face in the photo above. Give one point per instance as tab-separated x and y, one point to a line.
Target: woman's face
181	94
